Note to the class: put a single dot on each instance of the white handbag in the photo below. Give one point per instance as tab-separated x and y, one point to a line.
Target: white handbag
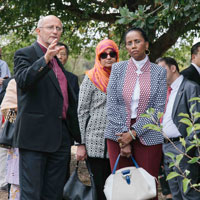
130	183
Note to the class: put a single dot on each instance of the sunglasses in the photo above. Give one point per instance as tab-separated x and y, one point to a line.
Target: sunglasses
112	54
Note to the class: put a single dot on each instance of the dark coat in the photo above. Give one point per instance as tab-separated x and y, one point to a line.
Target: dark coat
187	90
40	102
191	74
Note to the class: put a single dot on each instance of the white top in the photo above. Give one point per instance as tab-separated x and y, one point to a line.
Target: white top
197	68
169	128
136	91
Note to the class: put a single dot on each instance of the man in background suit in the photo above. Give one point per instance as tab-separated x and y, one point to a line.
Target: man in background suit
47	115
63	55
178	102
193	71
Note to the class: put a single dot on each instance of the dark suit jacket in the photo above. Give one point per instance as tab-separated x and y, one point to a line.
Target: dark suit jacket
40	101
187	90
73	79
191	74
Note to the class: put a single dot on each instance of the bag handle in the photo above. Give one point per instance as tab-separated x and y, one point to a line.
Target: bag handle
88	167
117	161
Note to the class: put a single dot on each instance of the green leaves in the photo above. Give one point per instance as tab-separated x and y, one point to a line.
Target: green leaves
152	127
172	175
145	115
189	148
193	160
150	111
186	121
171	155
183	115
186	182
183	141
178	159
159	115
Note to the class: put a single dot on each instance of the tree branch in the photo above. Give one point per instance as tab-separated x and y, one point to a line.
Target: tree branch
111	17
168	39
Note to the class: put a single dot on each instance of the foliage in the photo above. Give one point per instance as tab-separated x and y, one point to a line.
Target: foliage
88	21
181	52
192	130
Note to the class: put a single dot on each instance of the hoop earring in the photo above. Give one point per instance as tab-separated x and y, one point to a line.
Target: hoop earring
147	52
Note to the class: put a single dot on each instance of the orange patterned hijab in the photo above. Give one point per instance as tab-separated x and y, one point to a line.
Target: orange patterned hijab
99	75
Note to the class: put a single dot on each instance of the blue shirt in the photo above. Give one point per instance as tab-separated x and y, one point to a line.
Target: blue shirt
4	70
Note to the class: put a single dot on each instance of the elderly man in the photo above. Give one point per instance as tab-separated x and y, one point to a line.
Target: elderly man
47	115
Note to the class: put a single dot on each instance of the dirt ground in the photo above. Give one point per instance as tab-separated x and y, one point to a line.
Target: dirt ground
83	174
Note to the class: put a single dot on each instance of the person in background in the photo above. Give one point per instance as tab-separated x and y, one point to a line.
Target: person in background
135	86
4	70
12	175
63	55
92	113
4	74
180	91
162	176
193	71
47	115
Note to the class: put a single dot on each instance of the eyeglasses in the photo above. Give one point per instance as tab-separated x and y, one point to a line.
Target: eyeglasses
62	54
51	28
112	54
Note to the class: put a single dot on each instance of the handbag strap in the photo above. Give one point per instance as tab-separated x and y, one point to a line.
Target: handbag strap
88	167
117	161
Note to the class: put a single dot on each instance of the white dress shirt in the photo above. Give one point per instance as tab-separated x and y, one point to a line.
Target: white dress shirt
136	91
169	128
197	68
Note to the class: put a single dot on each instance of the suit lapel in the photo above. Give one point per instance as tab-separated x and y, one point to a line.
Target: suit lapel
178	98
51	73
193	69
54	80
38	50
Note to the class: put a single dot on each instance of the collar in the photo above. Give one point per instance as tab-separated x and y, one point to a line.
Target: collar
44	49
139	64
176	84
197	67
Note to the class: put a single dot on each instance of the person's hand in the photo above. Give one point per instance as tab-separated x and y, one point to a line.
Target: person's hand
1	81
126	151
125	138
52	50
81	153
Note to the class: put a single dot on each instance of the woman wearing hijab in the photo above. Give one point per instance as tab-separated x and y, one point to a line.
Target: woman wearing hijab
92	113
